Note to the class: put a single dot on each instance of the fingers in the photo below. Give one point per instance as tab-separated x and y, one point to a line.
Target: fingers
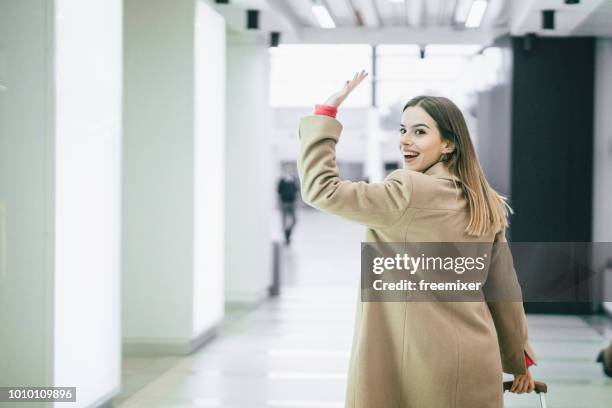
522	384
529	382
518	385
515	384
359	76
338	97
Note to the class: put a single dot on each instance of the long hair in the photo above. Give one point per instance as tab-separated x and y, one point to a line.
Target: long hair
488	209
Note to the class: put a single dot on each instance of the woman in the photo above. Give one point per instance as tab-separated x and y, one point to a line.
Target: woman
605	358
421	354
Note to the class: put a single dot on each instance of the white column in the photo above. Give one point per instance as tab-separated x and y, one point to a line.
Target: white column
60	150
174	137
250	191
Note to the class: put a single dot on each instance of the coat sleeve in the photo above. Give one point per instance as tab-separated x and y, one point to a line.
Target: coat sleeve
507	309
375	205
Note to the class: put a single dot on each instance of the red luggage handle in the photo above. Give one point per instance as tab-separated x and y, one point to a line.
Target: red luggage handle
540	387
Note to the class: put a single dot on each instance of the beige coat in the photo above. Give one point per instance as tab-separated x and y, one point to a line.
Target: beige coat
414	354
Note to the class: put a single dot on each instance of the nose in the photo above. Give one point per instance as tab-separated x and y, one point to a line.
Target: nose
405	140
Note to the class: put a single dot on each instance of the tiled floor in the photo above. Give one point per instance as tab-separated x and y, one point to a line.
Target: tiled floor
293	351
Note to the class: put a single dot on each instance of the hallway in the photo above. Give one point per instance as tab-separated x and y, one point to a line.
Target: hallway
143	144
293	351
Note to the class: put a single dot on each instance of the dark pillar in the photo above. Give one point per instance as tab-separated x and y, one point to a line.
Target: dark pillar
552	146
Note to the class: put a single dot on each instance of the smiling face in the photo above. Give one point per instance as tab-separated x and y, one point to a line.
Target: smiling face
421	143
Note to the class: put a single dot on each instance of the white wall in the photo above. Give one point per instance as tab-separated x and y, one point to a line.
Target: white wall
88	61
209	168
602	184
602	153
158	169
250	192
173	178
26	138
60	116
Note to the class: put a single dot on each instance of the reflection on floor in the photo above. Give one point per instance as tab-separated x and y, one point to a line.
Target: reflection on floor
293	351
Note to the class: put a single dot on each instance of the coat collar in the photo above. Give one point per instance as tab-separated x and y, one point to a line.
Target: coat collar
441	171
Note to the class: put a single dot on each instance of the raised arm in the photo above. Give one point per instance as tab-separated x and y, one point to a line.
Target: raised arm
376	205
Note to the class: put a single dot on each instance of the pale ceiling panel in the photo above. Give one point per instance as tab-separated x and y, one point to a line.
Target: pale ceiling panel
447	11
433	11
369	11
497	14
461	11
414	13
391	13
342	12
598	23
286	12
303	10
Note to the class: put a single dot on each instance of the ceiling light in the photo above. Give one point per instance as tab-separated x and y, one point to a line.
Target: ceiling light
323	17
476	14
462	10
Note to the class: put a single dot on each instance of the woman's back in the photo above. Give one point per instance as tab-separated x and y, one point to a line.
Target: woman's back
412	353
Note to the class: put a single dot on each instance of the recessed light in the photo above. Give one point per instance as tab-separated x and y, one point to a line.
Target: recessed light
323	17
476	14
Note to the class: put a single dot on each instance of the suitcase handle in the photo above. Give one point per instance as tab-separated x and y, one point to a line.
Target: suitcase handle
540	387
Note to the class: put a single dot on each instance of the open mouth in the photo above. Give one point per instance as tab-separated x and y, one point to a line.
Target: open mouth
410	156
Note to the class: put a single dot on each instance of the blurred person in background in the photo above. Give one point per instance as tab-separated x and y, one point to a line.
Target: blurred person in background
605	358
421	354
287	189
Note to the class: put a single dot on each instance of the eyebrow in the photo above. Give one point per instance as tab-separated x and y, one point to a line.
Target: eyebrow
418	124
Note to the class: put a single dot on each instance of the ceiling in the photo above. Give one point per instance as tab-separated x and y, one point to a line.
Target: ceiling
598	23
387	13
417	21
570	20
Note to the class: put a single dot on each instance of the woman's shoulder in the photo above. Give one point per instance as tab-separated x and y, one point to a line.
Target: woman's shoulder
422	180
432	192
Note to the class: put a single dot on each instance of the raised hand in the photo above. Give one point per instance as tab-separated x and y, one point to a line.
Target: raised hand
338	97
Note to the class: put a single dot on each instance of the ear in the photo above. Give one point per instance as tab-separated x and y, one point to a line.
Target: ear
448	147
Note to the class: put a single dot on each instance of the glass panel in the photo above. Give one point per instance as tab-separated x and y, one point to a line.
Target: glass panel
454	71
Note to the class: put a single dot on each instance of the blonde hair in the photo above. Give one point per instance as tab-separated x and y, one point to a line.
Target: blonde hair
488	209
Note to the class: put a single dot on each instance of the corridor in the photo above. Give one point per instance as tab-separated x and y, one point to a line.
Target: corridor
293	351
149	147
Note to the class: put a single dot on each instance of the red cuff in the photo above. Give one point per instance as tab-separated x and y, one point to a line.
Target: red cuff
327	110
528	361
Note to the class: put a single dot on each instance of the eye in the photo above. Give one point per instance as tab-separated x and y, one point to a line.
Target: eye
402	131
419	130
